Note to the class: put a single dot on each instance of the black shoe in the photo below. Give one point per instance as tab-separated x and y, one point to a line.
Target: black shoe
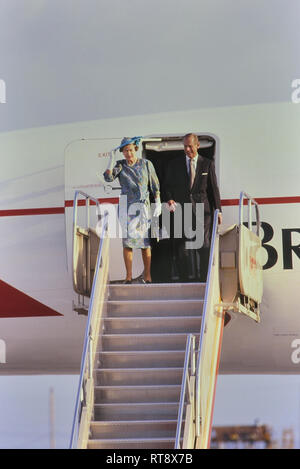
127	282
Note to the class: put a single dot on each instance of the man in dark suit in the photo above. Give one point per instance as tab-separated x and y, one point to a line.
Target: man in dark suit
191	178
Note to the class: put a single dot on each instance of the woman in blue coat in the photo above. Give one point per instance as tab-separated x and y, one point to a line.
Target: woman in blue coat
137	178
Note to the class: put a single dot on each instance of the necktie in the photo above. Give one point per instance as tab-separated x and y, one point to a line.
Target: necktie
192	172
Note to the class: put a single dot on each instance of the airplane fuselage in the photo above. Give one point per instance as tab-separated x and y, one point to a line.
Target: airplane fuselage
257	152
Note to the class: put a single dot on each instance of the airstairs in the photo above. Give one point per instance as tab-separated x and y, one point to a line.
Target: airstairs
151	352
140	363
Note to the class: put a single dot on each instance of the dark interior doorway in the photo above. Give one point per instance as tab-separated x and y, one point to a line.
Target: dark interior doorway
163	266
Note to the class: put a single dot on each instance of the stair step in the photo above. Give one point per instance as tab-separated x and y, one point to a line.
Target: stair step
138	359
143	308
138	376
133	443
134	429
134	394
145	342
136	411
152	324
163	291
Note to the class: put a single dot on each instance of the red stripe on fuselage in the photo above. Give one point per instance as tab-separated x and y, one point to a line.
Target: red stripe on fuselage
32	211
115	200
264	201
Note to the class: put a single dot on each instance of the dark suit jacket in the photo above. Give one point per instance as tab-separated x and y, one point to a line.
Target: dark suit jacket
205	188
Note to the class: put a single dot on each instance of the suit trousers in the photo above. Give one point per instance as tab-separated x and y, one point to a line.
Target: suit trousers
183	256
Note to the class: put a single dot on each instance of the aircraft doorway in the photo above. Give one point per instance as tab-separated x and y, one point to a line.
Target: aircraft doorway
161	151
85	162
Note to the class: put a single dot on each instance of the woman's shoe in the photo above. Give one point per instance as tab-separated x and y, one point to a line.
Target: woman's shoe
127	282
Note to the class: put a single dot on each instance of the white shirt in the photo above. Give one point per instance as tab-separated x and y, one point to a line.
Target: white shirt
195	159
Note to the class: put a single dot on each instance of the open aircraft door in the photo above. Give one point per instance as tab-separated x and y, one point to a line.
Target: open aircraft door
85	162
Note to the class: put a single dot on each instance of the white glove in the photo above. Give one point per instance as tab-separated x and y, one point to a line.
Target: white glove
157	209
111	160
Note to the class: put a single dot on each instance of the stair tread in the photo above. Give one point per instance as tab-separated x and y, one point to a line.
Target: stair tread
151	285
151	334
171	300
140	352
120	444
136	403
139	376
149	318
138	370
139	386
132	439
157	291
125	422
132	411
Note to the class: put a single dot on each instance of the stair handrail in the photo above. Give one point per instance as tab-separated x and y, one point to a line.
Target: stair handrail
206	306
86	364
87	200
251	201
75	206
189	364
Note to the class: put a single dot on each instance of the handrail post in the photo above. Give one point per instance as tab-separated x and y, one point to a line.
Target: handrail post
193	358
87	204
250	214
87	199
90	356
241	211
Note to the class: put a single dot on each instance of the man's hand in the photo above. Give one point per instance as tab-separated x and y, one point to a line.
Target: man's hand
172	205
220	218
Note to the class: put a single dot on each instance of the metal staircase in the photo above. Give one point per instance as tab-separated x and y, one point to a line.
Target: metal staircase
151	352
140	362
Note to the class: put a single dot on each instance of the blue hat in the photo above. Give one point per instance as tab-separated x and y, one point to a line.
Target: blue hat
127	141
